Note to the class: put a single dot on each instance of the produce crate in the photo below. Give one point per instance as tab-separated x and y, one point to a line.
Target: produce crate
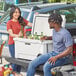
1	47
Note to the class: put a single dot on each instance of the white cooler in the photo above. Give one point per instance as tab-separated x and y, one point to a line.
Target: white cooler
29	48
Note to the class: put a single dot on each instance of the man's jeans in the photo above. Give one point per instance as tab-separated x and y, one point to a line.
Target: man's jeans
15	67
43	59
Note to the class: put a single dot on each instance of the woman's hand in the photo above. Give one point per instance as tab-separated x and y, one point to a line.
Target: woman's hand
29	24
52	60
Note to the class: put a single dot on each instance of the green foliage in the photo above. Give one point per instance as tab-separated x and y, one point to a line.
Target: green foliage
22	1
52	1
1	5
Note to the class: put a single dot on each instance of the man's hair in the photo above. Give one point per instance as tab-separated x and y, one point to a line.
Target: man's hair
55	17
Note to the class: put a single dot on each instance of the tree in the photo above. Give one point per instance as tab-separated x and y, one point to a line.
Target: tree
58	0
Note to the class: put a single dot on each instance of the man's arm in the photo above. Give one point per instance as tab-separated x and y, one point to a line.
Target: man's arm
68	51
65	53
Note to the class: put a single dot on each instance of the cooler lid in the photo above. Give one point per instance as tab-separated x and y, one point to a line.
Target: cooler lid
40	24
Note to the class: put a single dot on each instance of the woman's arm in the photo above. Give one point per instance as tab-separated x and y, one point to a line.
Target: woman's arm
27	22
12	34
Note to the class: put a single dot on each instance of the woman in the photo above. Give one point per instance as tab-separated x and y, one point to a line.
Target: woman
15	28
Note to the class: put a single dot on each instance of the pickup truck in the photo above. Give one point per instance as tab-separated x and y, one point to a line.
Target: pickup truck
28	49
70	24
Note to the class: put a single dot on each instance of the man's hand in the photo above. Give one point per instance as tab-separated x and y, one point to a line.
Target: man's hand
52	60
46	38
43	38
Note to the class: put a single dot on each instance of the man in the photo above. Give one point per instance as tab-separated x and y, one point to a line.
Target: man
62	47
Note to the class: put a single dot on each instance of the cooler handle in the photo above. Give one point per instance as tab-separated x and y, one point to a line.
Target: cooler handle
27	44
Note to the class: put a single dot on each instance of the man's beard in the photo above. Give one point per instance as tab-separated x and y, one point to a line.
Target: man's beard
51	27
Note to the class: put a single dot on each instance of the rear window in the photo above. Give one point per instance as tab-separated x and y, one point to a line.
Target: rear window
25	14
